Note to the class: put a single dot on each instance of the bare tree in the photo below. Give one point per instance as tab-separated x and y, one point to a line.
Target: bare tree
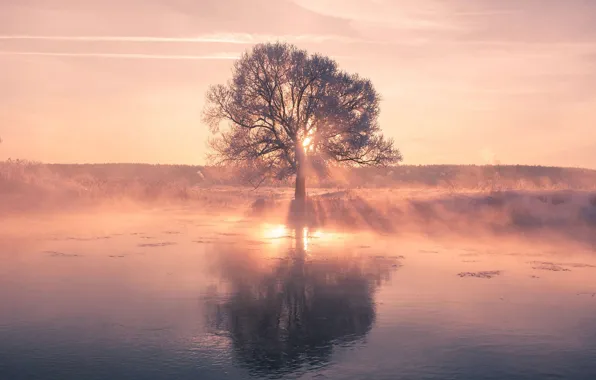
286	112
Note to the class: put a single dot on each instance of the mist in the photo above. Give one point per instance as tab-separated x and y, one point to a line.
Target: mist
493	200
297	189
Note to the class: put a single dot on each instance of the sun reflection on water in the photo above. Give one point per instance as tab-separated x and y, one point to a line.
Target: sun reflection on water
275	231
303	238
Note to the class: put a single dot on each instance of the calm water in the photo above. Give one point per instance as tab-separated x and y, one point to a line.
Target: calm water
178	296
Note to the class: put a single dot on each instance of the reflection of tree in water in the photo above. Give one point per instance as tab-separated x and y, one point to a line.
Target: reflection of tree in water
293	313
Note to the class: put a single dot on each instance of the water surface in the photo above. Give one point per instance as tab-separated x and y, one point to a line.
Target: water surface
170	294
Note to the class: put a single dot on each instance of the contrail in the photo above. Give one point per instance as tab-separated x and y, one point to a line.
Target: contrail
230	38
124	55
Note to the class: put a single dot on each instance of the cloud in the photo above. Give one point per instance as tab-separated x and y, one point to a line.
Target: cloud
222	56
423	15
226	38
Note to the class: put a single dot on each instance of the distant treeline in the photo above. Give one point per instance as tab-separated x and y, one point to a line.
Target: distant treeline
456	177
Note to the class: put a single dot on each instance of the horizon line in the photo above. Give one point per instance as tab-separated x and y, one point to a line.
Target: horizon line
205	165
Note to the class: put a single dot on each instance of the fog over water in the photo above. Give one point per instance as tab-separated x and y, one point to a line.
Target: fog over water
180	292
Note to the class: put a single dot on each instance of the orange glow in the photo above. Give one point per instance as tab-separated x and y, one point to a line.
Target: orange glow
306	143
305	238
275	231
474	85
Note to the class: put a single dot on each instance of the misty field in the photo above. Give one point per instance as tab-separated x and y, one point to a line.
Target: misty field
158	272
442	199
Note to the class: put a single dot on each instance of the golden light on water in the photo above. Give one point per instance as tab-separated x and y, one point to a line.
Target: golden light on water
275	231
318	234
278	233
325	235
305	238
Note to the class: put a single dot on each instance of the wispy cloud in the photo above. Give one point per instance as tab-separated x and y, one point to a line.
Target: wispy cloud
248	39
421	16
487	12
227	38
222	56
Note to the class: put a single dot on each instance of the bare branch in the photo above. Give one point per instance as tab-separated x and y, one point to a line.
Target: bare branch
280	95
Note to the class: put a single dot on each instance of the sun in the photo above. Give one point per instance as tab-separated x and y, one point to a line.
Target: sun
307	142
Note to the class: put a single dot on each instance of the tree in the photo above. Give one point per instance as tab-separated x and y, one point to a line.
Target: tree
287	112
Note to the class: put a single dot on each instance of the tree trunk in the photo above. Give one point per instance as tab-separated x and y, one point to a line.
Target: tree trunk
300	193
298	206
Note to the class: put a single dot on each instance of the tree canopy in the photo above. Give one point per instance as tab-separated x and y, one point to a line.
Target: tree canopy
286	111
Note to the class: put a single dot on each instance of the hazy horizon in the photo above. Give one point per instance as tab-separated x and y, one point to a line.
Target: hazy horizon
464	82
495	164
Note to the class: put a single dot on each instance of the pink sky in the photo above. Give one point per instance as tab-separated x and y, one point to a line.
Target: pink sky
463	81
